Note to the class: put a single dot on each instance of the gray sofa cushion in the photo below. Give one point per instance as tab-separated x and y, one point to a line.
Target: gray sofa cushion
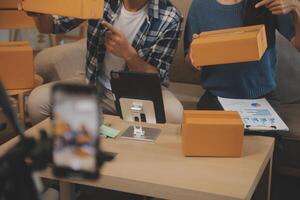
288	71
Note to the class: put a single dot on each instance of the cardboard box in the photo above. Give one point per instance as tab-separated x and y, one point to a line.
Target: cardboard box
212	134
13	19
83	9
229	46
16	65
9	4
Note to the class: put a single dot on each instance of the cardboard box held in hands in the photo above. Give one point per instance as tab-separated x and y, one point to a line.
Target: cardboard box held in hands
212	134
16	65
226	46
14	19
82	9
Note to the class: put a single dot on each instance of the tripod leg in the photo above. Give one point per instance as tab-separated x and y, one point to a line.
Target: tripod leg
67	191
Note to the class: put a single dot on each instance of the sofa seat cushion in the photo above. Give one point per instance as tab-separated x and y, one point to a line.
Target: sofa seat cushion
288	71
290	113
187	94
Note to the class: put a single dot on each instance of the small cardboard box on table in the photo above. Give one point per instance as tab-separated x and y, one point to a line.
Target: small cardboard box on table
212	134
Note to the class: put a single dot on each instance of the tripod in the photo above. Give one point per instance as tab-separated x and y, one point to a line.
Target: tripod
18	180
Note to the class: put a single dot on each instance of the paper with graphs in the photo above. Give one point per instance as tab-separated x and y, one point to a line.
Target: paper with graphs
257	114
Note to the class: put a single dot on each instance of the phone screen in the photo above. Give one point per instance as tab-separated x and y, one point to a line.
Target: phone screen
75	125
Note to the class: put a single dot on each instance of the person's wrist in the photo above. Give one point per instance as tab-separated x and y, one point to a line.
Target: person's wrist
130	54
296	5
296	9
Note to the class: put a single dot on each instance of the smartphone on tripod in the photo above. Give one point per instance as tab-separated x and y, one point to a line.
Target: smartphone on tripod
75	123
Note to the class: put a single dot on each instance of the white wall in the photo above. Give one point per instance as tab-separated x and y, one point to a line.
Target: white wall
37	40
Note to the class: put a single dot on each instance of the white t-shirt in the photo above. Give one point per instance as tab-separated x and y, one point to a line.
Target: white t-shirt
129	23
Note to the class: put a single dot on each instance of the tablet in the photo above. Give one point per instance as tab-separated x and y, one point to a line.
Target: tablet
138	88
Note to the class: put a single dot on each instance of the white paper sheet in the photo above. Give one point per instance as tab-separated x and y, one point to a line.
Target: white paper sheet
256	114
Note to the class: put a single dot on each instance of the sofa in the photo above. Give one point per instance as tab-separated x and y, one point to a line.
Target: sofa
288	76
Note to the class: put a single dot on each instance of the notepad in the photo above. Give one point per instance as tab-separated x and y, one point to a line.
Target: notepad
108	131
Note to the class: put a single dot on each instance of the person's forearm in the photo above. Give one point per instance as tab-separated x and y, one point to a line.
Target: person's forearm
44	23
187	59
137	64
117	44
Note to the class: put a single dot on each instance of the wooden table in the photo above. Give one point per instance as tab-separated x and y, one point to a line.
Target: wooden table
160	170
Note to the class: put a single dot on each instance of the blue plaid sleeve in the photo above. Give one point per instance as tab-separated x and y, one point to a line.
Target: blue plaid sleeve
65	24
162	53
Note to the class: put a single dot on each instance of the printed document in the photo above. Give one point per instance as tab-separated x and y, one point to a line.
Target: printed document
257	114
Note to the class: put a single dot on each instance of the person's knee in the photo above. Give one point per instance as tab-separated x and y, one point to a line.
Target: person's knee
174	113
54	63
39	104
173	108
44	64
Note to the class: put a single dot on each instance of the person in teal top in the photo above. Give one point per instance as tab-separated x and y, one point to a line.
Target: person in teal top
248	80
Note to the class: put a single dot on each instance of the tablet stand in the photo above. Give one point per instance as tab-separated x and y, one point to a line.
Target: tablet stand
137	131
137	109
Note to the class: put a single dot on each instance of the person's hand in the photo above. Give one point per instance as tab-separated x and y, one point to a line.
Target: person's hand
189	57
117	44
279	7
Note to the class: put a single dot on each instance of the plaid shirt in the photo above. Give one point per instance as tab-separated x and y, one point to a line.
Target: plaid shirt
156	41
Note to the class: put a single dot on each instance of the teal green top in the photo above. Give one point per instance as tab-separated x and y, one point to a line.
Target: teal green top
241	80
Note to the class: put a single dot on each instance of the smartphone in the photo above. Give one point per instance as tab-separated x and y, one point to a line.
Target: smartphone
75	120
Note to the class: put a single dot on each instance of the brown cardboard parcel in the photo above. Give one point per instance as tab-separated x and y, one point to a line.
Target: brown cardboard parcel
225	46
82	9
16	65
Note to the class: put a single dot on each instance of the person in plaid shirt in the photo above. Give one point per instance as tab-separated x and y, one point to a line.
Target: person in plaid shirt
138	36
